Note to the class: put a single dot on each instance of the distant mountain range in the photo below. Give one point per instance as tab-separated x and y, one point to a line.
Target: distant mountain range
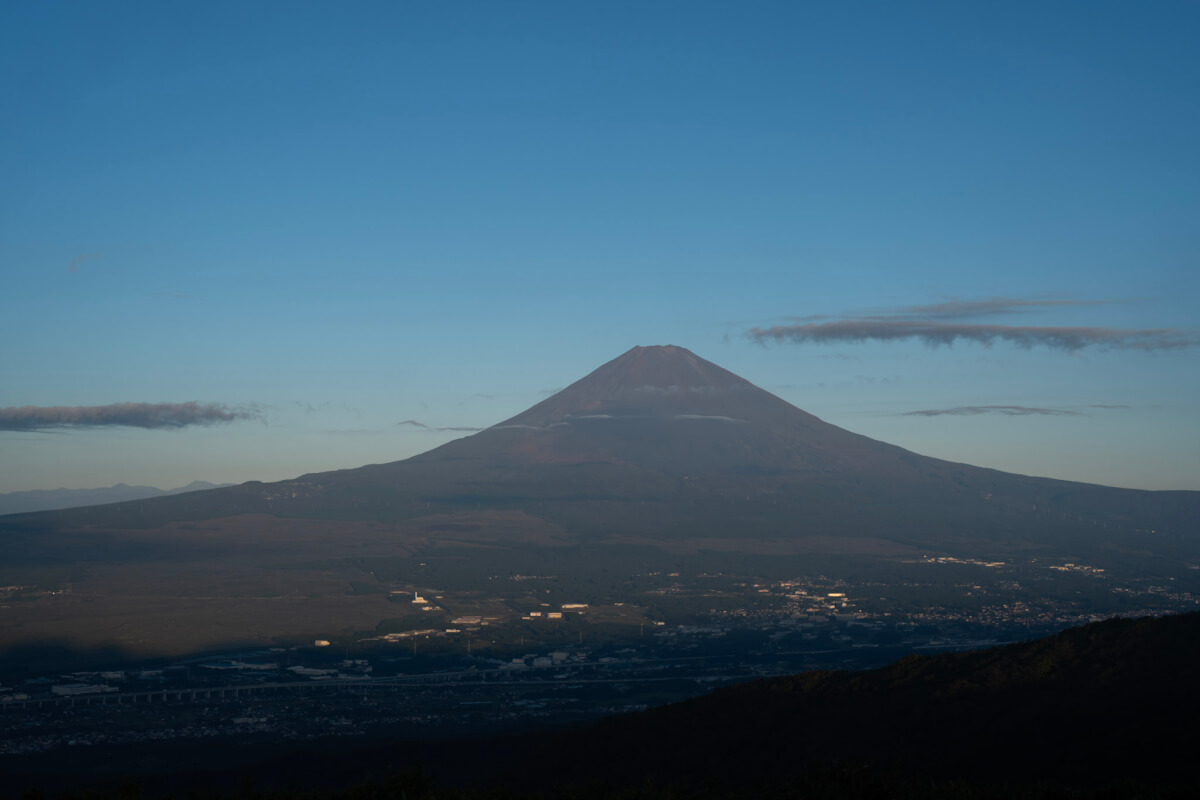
53	499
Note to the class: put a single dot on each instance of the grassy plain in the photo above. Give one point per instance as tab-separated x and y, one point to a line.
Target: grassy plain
260	580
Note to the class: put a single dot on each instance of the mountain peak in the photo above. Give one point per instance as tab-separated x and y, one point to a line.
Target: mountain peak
666	409
665	366
645	381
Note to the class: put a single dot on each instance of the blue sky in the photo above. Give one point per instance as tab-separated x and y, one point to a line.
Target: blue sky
316	220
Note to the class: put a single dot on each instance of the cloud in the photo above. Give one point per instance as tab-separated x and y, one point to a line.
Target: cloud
935	333
1105	405
129	415
948	322
1010	411
355	432
718	418
454	429
77	261
549	427
651	389
956	308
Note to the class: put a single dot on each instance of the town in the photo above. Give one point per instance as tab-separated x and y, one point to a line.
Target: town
463	663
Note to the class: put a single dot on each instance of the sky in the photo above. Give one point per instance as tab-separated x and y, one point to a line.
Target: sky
247	241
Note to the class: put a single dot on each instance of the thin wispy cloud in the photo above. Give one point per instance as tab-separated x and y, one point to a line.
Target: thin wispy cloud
519	426
870	380
715	417
77	261
938	324
412	423
355	432
1009	411
675	390
128	415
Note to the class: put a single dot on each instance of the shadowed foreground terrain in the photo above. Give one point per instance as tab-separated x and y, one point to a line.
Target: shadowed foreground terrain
1098	711
1109	701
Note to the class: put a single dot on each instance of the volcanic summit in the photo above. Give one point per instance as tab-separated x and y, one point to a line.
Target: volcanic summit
667	409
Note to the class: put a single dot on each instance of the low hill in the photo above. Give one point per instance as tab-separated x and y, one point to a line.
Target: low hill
1112	701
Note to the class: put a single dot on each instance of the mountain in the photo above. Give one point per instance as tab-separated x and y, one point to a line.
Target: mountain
660	443
656	461
666	409
53	499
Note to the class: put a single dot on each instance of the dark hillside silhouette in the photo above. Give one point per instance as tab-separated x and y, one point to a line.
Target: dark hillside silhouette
1100	704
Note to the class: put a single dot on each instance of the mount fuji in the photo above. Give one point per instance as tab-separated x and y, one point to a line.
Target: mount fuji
661	444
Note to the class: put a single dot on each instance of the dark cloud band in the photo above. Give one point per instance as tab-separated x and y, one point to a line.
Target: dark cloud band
1011	411
129	415
946	333
951	309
